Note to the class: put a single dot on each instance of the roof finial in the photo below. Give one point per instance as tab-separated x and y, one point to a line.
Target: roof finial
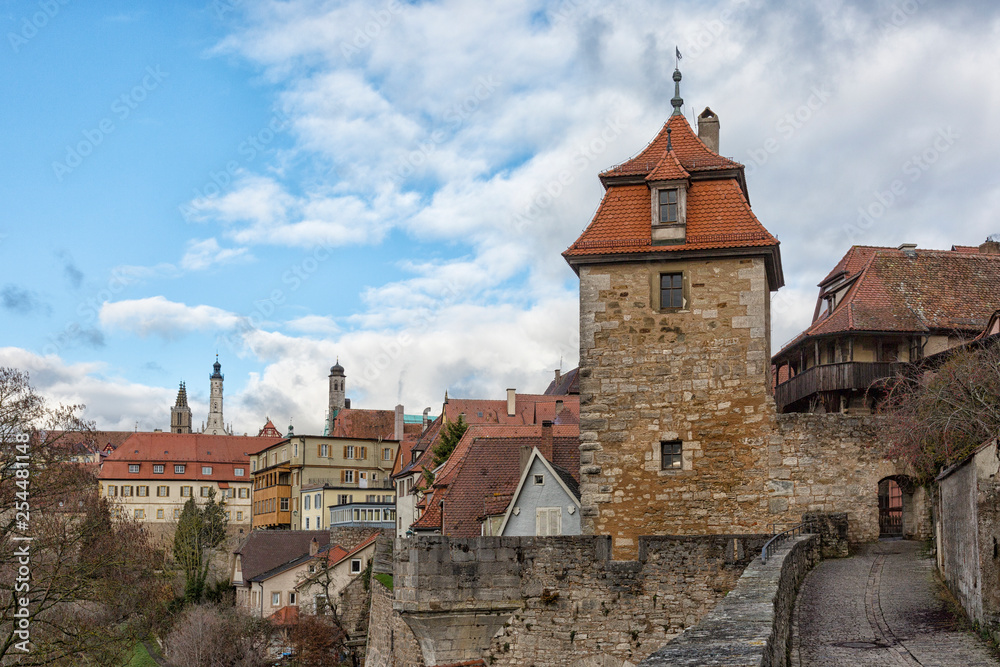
677	102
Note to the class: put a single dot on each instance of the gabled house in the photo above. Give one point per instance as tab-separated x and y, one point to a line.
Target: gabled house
473	488
546	501
880	308
262	557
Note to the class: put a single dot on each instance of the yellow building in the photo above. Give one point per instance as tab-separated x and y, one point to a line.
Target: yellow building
151	475
341	471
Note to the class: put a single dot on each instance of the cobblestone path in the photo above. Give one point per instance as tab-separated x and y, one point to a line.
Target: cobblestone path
880	608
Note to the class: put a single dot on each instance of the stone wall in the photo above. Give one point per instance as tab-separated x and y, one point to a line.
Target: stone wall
829	463
752	626
351	536
390	641
700	375
563	600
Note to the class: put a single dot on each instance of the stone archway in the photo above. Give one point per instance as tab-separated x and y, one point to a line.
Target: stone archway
896	506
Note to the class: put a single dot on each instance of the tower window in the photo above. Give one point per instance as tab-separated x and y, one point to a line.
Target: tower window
670	455
671	290
668	206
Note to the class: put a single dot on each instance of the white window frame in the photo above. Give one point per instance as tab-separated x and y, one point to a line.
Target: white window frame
133	468
157	468
206	470
238	472
544	518
179	469
275	598
356	566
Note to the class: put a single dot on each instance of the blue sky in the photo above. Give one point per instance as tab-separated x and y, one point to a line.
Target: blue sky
286	183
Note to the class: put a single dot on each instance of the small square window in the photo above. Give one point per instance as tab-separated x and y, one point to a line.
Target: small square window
142	491
670	455
133	467
159	514
126	490
671	290
205	491
178	470
275	599
163	491
238	472
158	469
539	480
206	470
355	565
186	491
140	514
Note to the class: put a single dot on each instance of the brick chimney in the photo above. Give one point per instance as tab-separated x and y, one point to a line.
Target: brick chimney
313	547
397	431
545	447
708	129
511	402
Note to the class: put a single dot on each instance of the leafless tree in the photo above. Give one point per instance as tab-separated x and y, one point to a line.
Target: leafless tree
212	636
938	414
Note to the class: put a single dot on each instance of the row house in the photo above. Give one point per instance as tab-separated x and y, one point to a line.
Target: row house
150	476
879	309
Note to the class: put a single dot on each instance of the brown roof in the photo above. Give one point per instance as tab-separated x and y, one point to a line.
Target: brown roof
223	453
371	425
485	466
264	550
568	383
692	155
915	292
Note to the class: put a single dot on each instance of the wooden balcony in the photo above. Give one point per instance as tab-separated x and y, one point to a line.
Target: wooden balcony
852	375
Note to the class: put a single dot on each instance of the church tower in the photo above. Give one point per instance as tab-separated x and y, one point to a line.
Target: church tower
675	280
215	425
337	394
180	414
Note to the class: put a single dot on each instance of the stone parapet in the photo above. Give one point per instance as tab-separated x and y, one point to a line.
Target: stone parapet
752	625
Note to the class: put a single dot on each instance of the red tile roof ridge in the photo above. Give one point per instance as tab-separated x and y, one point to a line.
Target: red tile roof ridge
668	169
692	153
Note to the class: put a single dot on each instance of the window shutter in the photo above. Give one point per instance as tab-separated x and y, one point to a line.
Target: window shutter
341	476
345	451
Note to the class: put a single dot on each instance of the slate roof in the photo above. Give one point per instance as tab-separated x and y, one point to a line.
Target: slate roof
485	466
222	452
568	383
264	550
909	292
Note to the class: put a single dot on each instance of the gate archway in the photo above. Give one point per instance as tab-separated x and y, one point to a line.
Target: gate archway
892	504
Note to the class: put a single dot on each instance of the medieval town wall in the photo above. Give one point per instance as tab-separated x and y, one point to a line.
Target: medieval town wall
561	600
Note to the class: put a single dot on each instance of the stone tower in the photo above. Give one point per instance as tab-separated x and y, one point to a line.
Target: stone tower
215	425
675	280
337	394
180	414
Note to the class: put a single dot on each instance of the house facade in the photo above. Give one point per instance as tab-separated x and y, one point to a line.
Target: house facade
150	476
296	471
880	308
675	273
545	503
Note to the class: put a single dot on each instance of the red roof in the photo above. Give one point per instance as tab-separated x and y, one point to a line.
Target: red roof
222	453
288	615
485	466
909	291
371	425
692	155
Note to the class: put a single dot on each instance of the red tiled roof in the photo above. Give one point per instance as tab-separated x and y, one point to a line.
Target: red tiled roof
486	465
223	453
692	155
669	169
718	216
371	425
288	615
917	292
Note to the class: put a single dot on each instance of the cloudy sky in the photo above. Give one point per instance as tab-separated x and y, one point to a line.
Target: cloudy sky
286	183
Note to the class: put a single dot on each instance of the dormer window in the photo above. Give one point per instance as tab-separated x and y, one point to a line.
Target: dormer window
668	206
668	212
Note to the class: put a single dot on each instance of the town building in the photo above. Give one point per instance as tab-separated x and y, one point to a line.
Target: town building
150	476
545	503
518	410
291	474
880	308
675	275
180	414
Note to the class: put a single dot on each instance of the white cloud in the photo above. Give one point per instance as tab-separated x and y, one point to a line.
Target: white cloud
159	316
201	255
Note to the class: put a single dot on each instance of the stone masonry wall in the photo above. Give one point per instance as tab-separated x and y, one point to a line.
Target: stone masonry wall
574	605
753	625
829	463
699	375
390	641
